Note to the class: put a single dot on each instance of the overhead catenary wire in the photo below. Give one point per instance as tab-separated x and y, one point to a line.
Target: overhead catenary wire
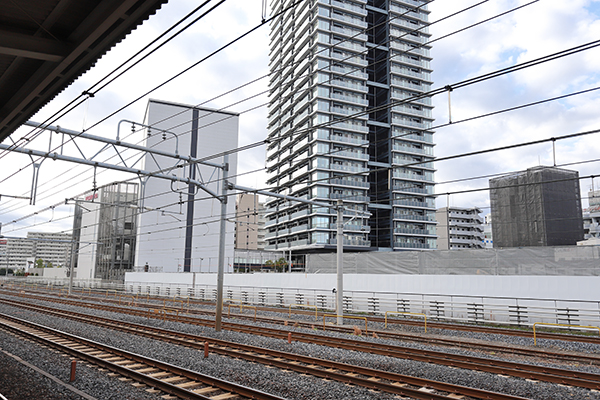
563	137
427	25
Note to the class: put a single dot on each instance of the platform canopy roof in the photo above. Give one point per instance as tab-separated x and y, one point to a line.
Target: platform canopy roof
46	44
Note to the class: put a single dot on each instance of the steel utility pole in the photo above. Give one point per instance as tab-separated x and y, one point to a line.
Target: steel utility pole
340	263
219	311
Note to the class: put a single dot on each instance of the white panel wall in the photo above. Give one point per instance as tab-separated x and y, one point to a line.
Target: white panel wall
538	287
161	233
86	261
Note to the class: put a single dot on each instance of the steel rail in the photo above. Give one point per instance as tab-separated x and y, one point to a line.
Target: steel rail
117	359
288	361
430	324
575	378
504	348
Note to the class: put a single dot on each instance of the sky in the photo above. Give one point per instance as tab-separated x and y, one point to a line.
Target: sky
538	29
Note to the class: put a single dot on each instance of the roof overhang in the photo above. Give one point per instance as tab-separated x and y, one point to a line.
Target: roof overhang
46	44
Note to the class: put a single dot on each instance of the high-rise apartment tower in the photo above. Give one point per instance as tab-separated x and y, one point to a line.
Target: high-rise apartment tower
348	119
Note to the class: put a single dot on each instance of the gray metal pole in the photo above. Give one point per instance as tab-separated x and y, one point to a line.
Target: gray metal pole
340	263
72	266
220	273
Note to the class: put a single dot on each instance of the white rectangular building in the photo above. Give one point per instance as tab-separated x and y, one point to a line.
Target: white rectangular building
178	230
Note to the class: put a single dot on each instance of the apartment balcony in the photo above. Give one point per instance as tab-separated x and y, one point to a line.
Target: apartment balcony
406	24
345	45
351	140
348	197
347	182
350	126
412	190
348	85
423	75
413	217
409	49
349	7
412	245
469	242
427	138
301	242
428	151
352	227
349	59
407	109
358	22
348	168
413	203
407	122
350	154
350	99
355	34
415	177
396	94
299	228
352	242
299	214
412	231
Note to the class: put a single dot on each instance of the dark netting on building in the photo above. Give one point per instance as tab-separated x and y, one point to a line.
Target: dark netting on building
537	207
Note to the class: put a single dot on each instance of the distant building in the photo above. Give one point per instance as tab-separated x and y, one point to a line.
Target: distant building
591	216
179	228
537	207
459	228
249	222
104	228
488	240
52	248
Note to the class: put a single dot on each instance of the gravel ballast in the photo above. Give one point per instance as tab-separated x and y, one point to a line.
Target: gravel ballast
285	384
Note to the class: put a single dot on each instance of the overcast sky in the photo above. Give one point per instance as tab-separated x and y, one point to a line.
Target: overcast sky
542	28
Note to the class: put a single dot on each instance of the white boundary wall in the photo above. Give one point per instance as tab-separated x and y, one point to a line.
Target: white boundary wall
520	300
572	288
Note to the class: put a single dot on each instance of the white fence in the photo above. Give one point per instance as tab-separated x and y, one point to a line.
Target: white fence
443	307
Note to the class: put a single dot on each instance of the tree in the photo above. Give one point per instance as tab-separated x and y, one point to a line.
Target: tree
281	265
39	263
269	264
49	265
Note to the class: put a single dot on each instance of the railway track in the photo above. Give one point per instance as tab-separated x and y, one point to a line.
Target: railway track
142	309
555	375
168	378
541	334
413	387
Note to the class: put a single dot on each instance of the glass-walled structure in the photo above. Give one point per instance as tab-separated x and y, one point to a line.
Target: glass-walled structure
105	231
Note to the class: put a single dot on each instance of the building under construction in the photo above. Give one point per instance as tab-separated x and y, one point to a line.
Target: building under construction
537	207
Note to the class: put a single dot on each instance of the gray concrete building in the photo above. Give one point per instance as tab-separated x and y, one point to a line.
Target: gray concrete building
348	120
537	207
459	228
